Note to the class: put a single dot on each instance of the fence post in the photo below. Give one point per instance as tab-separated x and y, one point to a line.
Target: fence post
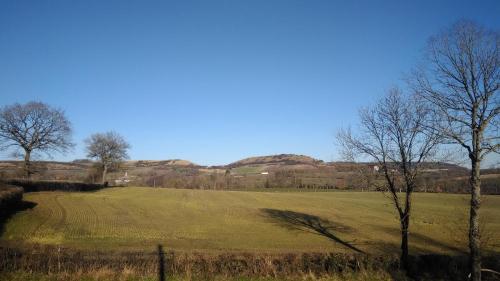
161	263
59	259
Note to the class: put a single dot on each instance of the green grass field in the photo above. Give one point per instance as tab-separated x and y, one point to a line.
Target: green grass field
196	220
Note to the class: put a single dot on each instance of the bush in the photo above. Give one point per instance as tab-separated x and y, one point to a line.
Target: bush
33	186
10	198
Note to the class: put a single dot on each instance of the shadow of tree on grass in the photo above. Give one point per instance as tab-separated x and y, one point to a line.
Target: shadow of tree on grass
310	223
419	242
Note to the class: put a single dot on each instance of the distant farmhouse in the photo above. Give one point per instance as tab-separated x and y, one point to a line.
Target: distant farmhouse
123	180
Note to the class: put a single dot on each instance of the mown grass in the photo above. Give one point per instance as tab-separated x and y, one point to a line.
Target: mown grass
197	220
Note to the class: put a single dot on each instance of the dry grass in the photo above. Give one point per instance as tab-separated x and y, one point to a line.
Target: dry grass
106	276
46	263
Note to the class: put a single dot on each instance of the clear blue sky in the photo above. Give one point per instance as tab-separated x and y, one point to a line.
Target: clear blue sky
216	81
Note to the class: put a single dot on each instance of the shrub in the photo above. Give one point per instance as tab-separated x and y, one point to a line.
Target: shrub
33	186
10	198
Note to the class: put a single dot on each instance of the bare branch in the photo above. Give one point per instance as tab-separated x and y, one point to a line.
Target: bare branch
34	126
395	134
109	148
462	84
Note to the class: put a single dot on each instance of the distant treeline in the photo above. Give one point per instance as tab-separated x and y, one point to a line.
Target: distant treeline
359	177
442	181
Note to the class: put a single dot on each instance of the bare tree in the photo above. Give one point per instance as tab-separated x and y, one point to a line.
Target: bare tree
393	134
109	148
461	80
34	126
364	176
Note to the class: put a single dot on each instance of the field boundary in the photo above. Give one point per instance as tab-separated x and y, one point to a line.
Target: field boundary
36	186
44	259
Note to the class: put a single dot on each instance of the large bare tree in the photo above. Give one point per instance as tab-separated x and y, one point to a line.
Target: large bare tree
34	126
109	148
461	79
393	134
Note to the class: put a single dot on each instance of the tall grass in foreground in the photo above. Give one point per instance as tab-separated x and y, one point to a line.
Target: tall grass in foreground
48	263
108	275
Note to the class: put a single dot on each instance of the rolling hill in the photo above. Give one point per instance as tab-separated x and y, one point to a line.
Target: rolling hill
271	171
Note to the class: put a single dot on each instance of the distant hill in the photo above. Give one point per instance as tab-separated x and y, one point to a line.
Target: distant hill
269	171
280	159
85	163
426	166
87	170
152	163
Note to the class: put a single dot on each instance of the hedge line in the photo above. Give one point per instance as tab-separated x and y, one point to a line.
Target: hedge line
10	198
204	266
33	186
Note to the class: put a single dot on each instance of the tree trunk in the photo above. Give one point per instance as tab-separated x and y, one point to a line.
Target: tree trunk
474	238
104	172
27	164
405	224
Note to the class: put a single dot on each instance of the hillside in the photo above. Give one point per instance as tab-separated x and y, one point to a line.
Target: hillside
160	163
281	159
272	171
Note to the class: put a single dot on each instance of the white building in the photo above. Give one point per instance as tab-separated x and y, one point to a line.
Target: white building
123	180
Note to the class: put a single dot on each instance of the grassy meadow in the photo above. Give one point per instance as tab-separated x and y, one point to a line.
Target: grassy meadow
136	218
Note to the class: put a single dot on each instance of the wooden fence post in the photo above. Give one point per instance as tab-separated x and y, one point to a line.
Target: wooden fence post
161	263
59	259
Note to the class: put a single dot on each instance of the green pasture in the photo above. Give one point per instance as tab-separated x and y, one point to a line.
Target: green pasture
136	218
